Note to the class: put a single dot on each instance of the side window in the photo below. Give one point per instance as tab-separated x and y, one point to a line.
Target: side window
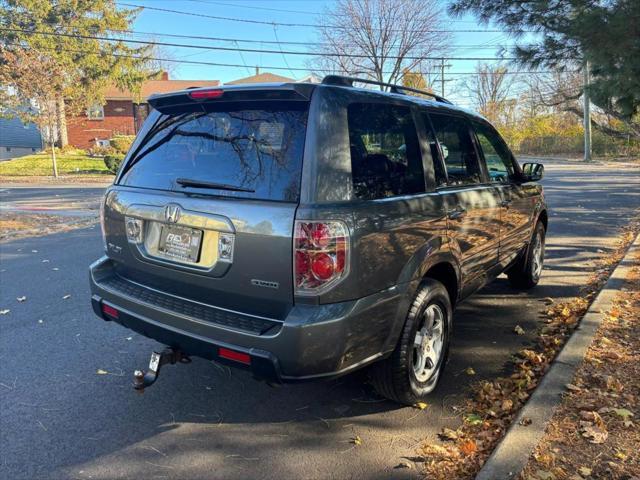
385	155
457	148
441	176
496	154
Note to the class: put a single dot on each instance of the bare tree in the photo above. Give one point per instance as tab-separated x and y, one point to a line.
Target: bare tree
381	39
490	89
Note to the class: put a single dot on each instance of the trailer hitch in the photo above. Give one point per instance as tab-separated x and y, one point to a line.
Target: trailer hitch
142	379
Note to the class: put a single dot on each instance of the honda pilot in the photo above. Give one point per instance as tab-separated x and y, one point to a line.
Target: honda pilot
304	231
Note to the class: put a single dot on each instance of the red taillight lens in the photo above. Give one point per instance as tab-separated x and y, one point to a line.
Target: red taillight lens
321	253
206	94
110	311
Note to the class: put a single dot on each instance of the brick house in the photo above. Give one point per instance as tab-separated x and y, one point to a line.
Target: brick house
122	114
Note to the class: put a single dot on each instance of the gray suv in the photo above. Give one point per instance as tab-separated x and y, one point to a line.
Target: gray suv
303	231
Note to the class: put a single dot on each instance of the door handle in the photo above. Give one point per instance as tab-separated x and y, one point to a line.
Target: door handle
459	212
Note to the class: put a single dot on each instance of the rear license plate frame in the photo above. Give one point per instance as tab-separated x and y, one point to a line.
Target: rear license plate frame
177	248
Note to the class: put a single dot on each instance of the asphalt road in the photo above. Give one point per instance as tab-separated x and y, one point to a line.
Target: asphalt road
59	200
59	419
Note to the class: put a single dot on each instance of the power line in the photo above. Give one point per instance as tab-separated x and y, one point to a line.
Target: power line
248	50
273	42
265	67
282	24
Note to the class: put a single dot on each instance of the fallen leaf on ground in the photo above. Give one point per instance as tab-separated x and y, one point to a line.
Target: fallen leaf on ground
594	434
448	434
470	371
549	300
613	384
421	405
518	330
21	299
623	412
507	404
573	388
565	312
356	440
584	471
468	447
525	422
473	419
101	372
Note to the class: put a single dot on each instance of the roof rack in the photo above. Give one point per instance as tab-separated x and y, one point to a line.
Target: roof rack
400	89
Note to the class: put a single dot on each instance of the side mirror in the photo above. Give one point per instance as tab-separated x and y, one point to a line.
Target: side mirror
532	172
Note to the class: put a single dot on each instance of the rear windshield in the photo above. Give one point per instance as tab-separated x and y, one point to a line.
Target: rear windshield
239	152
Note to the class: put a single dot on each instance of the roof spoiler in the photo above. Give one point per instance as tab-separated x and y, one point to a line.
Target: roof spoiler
167	102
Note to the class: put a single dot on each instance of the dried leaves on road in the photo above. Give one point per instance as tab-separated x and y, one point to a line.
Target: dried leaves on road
494	403
594	432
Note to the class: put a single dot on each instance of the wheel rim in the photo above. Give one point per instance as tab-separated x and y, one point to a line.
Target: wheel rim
538	257
428	344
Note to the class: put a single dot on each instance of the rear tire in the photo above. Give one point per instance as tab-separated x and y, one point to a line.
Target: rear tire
413	369
526	272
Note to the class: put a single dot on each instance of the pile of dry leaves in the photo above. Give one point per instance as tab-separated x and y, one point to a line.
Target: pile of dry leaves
593	433
490	411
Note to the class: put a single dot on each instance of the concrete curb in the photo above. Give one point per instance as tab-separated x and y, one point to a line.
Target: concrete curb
512	453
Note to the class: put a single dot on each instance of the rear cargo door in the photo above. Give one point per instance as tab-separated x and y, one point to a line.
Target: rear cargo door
205	205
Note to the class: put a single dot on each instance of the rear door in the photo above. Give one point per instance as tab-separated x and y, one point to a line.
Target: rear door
516	205
205	205
473	215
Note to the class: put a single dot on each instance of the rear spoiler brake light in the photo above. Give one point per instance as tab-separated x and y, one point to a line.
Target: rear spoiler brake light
292	92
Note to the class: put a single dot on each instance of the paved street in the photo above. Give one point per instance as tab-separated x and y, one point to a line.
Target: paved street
59	419
59	200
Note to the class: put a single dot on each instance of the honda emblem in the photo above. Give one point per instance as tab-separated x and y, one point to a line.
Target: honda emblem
172	213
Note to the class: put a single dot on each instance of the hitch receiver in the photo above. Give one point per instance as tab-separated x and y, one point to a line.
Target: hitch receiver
142	379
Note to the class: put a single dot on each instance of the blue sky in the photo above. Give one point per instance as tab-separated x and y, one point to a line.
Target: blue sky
484	44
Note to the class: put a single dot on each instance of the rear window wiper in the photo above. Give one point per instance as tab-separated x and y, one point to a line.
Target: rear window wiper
188	182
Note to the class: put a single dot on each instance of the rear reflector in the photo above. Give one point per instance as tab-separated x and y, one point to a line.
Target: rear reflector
206	94
235	356
107	310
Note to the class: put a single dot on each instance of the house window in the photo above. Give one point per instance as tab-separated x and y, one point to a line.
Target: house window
95	112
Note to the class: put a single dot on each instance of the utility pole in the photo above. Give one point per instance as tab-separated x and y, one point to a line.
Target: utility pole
442	77
587	114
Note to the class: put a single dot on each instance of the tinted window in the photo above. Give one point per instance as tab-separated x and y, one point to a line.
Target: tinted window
257	151
385	156
496	153
457	148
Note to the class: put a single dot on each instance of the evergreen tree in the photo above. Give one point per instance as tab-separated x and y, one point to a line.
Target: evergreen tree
62	35
603	33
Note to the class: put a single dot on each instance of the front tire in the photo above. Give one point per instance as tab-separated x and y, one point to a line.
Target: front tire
413	369
526	272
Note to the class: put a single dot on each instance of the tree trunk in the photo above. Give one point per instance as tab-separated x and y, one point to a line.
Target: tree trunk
53	158
61	123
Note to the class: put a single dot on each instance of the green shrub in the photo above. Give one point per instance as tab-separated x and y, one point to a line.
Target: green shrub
113	162
122	143
97	151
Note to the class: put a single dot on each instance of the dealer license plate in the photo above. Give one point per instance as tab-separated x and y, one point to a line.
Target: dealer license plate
180	243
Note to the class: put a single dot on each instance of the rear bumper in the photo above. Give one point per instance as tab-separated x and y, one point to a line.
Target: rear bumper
313	341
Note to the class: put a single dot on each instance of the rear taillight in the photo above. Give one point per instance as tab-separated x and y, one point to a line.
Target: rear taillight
320	255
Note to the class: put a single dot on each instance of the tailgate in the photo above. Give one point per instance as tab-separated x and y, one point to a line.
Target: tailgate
205	204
